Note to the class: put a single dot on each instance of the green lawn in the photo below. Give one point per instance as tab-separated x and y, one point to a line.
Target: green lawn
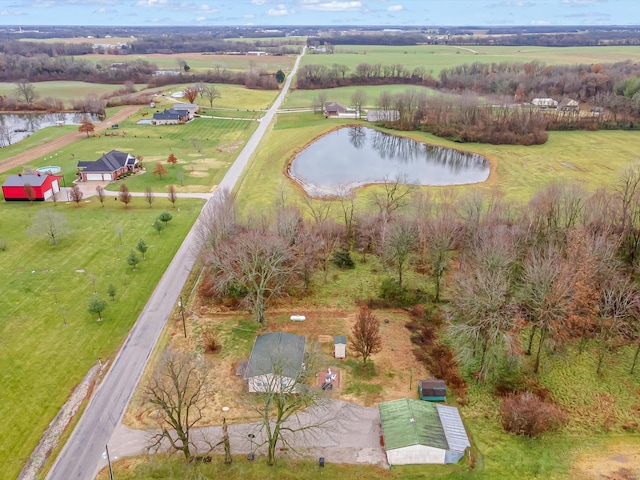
217	140
437	57
231	96
47	285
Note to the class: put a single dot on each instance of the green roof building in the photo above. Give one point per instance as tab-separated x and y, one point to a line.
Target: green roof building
422	432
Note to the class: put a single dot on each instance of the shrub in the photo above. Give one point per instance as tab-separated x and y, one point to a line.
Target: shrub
342	259
527	414
210	340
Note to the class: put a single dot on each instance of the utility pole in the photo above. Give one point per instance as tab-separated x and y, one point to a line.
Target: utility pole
184	326
106	447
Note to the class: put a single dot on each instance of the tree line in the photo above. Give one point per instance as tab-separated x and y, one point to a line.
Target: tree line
520	281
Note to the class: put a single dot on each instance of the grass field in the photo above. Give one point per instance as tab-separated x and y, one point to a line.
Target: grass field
80	40
590	159
306	98
437	57
200	62
46	286
65	91
231	96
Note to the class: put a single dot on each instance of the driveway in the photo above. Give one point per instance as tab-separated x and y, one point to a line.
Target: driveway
349	434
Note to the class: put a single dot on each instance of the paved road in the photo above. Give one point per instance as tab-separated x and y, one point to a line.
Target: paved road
81	457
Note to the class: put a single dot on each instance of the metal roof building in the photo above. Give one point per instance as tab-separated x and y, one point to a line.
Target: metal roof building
422	432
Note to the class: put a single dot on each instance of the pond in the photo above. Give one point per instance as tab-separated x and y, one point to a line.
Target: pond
354	156
16	126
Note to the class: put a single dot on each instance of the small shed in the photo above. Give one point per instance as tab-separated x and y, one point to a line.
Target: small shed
340	346
568	105
416	432
432	390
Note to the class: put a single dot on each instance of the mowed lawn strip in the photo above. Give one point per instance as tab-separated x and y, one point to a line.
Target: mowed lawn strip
46	286
67	91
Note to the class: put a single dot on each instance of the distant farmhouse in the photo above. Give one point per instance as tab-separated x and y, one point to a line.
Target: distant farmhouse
568	105
191	108
276	361
544	103
109	166
43	186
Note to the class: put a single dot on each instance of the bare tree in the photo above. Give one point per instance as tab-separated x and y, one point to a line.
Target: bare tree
396	194
319	102
358	99
172	195
319	209
365	334
26	92
148	195
211	93
125	194
6	135
260	263
76	194
50	224
219	220
290	408
101	194
439	250
29	192
401	242
330	236
177	391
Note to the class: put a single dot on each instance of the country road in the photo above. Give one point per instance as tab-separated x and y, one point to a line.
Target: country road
63	141
81	457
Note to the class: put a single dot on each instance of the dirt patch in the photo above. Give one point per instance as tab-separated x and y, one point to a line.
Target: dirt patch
397	369
229	147
198	174
620	460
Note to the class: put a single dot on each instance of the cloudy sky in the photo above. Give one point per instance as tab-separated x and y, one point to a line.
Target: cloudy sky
320	12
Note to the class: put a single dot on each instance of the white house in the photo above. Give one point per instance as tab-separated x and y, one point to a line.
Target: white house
417	432
192	108
275	363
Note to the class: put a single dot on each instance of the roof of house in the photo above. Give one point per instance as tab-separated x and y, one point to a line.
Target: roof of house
185	106
408	422
340	339
453	428
21	180
277	352
171	114
568	102
334	107
544	101
433	387
109	162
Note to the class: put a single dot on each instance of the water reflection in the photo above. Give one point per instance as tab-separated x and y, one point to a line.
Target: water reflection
355	156
16	126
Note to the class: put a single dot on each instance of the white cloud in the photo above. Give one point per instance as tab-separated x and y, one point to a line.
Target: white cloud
334	6
395	8
258	2
540	22
280	11
201	19
100	10
10	13
151	3
249	16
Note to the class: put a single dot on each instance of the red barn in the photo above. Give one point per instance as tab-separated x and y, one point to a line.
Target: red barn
44	186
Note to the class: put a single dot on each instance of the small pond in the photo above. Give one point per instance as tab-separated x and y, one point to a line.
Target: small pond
16	126
354	156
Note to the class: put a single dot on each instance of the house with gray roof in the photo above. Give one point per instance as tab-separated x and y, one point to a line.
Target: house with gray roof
192	108
275	363
417	432
171	117
109	166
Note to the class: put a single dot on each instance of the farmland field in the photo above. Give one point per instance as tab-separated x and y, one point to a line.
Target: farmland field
437	57
231	96
66	91
80	40
47	286
200	62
